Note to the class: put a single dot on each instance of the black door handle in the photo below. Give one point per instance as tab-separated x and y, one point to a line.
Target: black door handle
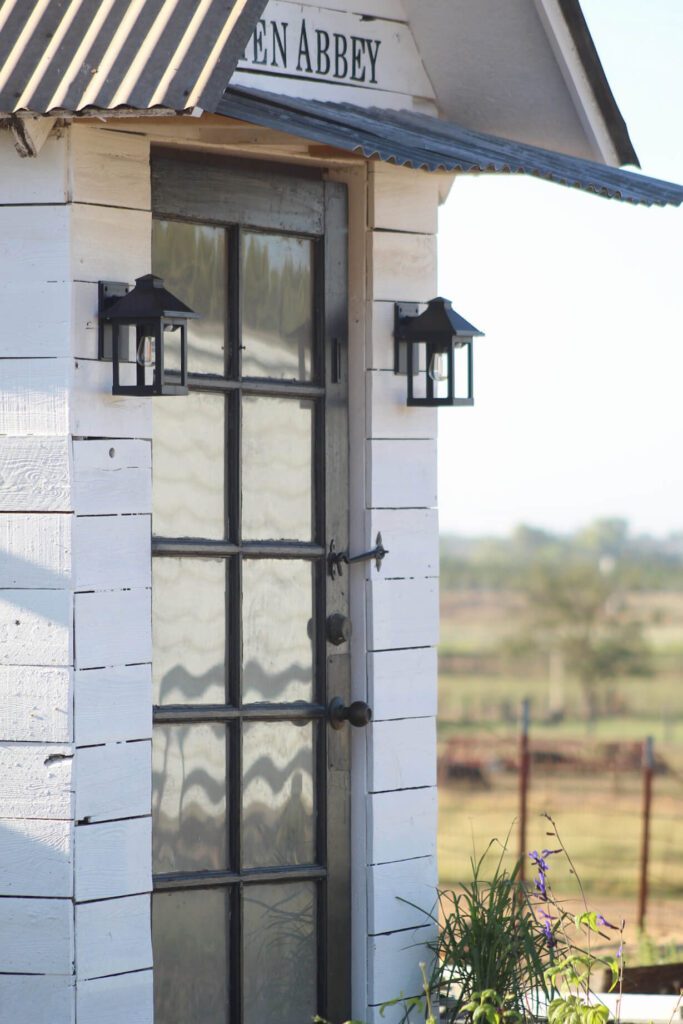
357	714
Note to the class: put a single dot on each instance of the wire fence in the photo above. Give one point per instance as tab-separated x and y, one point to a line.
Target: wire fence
618	806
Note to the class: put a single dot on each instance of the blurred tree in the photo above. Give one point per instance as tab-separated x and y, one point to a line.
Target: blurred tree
576	612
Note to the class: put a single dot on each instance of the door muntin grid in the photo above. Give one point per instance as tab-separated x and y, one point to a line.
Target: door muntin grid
247	697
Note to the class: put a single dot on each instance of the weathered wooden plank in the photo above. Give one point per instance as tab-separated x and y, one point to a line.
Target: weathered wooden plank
402	266
388	416
36	858
37	999
36	936
403	199
113	704
109	168
35	551
95	412
34	396
34	246
401	474
36	704
36	319
125	997
109	244
390	9
113	781
114	859
36	627
112	477
396	958
113	937
402	613
111	551
402	754
40	180
36	781
401	825
411	536
401	895
214	192
34	474
113	628
402	684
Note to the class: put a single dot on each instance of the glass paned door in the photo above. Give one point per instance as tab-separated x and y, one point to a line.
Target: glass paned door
250	784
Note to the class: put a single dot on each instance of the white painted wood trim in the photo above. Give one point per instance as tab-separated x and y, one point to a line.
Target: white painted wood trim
122	999
401	895
390	485
402	825
34	396
403	684
112	705
113	781
403	754
112	477
109	169
411	536
113	628
113	937
113	859
112	552
397	956
576	80
402	613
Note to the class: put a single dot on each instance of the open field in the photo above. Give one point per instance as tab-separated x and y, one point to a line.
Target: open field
597	807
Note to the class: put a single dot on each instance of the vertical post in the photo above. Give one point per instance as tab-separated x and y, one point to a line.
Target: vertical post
523	783
648	769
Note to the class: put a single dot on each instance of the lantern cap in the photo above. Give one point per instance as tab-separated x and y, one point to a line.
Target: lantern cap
149	300
438	321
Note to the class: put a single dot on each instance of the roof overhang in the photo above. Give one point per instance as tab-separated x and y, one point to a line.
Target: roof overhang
417	140
63	58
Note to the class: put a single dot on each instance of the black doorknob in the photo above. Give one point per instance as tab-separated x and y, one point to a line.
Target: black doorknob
338	629
357	714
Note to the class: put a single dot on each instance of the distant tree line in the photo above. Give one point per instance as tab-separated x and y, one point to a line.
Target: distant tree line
634	561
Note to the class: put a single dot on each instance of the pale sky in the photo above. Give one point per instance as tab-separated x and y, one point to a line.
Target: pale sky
579	380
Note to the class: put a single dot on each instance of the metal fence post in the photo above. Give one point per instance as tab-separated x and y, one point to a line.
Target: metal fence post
523	783
648	770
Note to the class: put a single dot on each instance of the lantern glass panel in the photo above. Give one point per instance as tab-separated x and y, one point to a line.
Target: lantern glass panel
192	260
462	356
418	374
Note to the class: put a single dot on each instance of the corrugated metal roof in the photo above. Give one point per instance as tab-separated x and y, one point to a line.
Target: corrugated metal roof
72	54
418	140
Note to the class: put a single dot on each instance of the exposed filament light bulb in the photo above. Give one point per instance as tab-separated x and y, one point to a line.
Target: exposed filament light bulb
145	350
438	366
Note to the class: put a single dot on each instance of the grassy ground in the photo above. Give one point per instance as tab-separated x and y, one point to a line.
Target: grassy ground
597	809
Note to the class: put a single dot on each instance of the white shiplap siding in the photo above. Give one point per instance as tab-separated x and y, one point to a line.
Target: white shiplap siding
74	591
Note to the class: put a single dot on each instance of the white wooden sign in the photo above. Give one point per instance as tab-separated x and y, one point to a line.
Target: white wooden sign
301	41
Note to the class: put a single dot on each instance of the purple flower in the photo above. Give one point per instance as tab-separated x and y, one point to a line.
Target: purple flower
549	935
620	951
536	858
606	924
540	884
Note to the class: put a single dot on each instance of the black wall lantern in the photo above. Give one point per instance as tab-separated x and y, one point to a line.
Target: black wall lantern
144	333
434	349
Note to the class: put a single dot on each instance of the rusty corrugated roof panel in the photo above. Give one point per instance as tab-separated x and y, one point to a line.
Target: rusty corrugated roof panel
418	140
72	54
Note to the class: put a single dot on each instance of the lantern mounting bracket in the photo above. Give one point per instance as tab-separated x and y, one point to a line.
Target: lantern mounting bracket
337	559
403	311
107	294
